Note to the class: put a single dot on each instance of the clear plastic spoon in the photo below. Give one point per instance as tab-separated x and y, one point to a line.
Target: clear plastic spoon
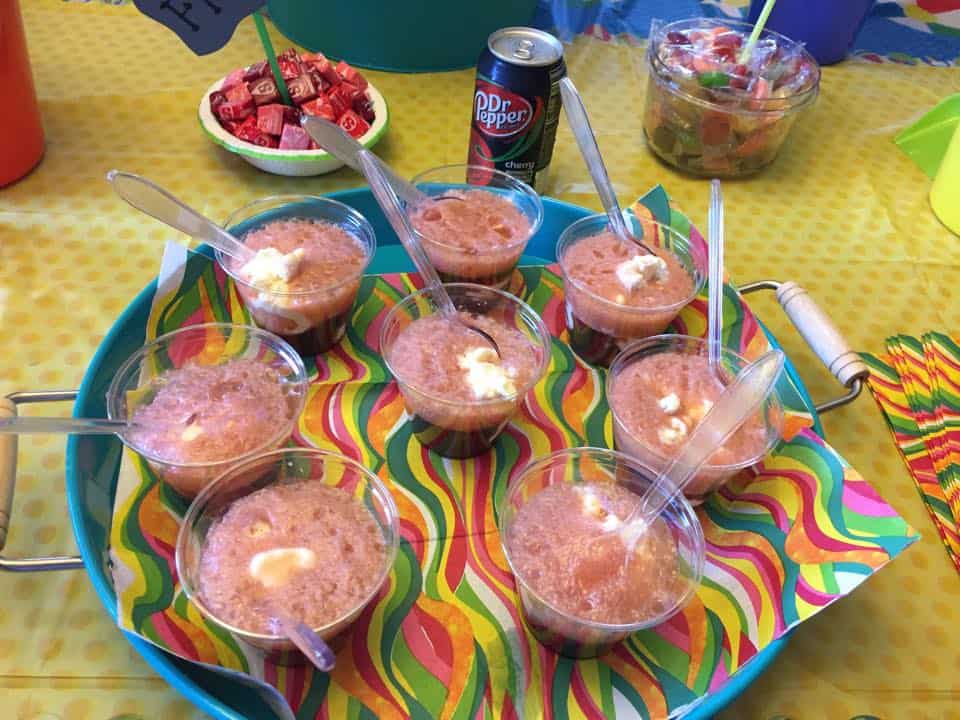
150	198
345	148
372	168
715	276
43	425
737	403
587	142
307	641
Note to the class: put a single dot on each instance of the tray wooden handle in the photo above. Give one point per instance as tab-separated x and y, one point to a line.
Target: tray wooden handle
823	337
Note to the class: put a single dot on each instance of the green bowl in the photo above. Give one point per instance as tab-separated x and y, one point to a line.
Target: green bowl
292	163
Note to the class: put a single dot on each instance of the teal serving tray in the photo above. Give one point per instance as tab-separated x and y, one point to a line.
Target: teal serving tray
93	463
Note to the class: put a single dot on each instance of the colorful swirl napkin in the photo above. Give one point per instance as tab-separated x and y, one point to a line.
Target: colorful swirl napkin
917	386
444	637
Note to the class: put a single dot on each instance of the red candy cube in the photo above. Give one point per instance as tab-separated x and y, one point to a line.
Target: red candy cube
231	126
328	71
291	114
264	91
217	99
349	92
264	140
256	71
351	75
312	57
239	94
320	107
353	124
294	137
301	89
319	81
337	100
363	106
234	78
289	69
248	129
270	119
234	111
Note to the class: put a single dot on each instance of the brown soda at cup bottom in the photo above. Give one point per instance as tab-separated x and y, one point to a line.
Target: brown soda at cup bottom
447	432
326	316
457	265
455	444
321	338
600	348
547	626
499	280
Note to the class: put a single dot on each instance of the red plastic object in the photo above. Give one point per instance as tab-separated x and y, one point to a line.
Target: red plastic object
21	133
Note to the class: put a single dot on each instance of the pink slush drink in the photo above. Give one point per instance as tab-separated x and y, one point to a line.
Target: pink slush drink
304	279
230	391
459	393
616	291
582	587
475	233
307	534
659	390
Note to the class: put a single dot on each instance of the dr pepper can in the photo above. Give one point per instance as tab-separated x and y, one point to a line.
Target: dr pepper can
516	105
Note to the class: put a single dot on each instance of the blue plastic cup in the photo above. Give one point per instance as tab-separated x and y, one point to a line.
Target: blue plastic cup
827	27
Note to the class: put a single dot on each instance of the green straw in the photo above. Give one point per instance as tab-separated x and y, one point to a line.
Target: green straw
271	56
757	29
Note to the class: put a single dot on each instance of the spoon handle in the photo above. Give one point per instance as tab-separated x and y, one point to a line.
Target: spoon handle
307	642
43	425
741	399
150	198
587	141
715	276
343	146
390	204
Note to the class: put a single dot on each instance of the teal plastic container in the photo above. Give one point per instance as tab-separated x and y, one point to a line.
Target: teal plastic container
395	35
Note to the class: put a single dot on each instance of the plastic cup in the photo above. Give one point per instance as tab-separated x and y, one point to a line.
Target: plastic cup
285	466
454	427
717	133
712	475
599	327
562	631
312	321
144	372
464	263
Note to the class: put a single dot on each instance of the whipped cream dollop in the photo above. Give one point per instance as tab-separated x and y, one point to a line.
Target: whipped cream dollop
669	403
593	507
191	433
641	270
673	432
273	568
273	270
486	377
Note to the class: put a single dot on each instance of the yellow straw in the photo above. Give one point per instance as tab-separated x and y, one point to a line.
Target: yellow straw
757	29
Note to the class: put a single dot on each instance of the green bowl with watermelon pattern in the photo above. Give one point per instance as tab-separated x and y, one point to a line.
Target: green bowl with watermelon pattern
292	163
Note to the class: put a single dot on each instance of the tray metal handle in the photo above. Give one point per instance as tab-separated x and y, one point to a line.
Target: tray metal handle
8	480
823	337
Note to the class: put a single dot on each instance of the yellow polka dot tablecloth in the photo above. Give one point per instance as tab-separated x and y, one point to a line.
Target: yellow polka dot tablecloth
841	211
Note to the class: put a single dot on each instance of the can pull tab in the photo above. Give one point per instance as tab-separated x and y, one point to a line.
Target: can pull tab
524	50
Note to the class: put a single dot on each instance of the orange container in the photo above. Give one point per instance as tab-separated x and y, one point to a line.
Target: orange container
21	134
